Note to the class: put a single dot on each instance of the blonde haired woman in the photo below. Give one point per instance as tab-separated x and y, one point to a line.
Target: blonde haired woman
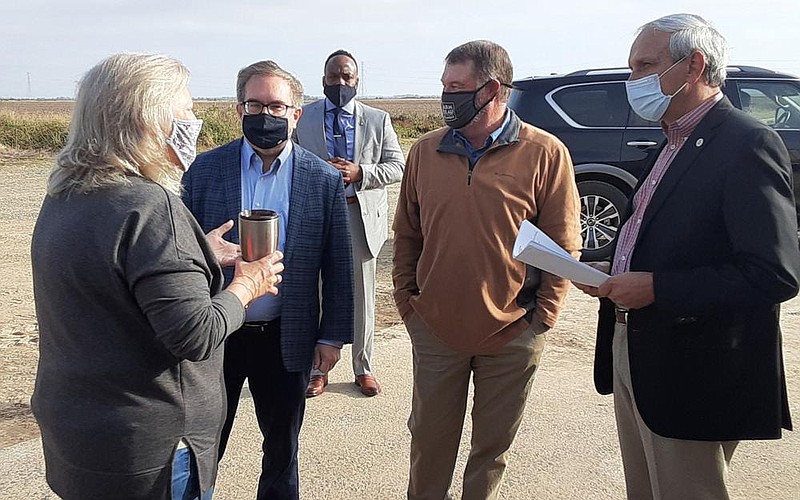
129	299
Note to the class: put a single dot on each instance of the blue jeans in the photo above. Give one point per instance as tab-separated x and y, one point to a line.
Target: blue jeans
185	483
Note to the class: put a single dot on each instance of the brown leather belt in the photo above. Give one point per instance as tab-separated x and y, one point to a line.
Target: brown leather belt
621	315
351	200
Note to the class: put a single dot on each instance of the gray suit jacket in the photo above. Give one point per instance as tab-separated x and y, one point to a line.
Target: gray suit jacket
376	150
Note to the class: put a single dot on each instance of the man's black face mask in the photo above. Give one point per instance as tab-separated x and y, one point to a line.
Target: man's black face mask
459	109
339	94
265	131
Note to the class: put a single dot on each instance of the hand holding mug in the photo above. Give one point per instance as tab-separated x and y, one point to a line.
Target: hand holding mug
257	278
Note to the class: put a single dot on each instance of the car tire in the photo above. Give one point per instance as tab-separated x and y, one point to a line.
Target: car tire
602	210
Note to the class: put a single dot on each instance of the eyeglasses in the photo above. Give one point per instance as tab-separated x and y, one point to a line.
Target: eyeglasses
274	108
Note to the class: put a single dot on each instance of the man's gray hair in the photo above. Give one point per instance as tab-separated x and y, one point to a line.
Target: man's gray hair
690	33
268	68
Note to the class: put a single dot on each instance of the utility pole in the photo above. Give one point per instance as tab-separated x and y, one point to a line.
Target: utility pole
29	84
362	80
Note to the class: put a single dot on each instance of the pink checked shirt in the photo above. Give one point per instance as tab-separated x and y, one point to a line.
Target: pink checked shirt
677	133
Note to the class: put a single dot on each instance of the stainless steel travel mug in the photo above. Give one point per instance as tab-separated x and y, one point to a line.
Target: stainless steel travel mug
258	233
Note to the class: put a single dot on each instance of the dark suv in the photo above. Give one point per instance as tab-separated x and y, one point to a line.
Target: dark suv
610	145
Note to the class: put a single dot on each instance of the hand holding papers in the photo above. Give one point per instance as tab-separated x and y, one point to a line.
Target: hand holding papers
535	248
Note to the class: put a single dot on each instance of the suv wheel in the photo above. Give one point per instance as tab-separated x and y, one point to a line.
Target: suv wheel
602	209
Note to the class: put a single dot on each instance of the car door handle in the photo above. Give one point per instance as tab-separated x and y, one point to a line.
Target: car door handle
641	144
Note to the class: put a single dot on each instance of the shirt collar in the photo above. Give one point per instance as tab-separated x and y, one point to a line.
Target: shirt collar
492	136
350	107
685	125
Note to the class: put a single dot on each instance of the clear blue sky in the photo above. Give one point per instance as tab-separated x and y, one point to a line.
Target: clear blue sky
400	44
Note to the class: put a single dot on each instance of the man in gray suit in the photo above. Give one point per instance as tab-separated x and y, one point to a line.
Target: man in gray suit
360	142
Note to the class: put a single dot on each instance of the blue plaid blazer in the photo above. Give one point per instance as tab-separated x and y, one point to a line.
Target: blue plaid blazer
317	244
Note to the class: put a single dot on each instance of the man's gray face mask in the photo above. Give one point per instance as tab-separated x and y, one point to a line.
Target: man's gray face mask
646	97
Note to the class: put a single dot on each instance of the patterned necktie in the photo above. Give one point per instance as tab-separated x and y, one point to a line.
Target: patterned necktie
339	138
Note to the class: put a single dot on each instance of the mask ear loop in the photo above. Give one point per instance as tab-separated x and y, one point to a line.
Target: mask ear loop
502	84
679	90
673	65
689	69
475	95
668	70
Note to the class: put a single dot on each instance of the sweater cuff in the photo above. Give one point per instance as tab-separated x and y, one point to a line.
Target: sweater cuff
234	310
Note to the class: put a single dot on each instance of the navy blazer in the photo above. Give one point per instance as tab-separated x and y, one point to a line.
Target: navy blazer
317	244
720	237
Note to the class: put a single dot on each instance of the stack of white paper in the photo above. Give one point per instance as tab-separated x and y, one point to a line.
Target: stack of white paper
535	248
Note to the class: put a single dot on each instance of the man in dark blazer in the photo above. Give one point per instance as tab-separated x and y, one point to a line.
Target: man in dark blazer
688	336
282	339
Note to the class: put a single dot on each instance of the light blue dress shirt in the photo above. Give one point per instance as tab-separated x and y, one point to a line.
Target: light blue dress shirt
477	154
267	191
348	120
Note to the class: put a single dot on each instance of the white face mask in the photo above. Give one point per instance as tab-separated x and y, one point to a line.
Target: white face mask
646	98
183	140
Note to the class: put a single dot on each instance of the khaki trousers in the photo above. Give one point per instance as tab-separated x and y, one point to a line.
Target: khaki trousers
501	382
657	467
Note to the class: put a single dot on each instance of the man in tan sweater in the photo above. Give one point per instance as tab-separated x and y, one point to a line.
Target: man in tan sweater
469	307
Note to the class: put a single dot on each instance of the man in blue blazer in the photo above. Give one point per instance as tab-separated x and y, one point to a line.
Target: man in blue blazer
288	334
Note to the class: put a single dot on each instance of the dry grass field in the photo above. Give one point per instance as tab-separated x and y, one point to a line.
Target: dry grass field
395	107
37	107
43	124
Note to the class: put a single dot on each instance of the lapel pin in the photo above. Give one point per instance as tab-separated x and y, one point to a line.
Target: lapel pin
699	142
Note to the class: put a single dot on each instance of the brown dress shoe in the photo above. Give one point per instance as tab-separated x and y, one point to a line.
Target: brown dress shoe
369	385
316	385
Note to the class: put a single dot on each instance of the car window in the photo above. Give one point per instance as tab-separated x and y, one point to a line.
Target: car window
603	105
776	104
635	120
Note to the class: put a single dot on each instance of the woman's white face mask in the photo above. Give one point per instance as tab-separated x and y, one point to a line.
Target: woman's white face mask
183	140
646	97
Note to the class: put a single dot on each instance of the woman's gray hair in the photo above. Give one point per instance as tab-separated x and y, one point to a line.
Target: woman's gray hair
122	117
690	33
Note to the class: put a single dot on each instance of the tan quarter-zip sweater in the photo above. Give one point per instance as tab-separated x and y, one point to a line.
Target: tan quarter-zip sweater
453	241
